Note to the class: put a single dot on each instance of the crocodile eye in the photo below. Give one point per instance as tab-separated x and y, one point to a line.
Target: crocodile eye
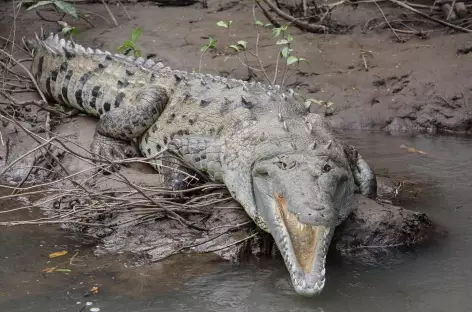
327	168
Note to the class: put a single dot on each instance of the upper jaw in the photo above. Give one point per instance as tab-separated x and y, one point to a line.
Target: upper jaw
303	247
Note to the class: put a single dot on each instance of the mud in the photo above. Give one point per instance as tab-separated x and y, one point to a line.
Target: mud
374	81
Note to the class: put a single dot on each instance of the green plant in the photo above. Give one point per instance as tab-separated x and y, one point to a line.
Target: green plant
211	45
130	45
60	5
286	52
67	29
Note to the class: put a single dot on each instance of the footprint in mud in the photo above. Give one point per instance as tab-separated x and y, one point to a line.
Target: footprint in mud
393	84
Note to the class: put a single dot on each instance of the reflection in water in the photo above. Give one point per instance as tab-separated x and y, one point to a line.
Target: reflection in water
428	278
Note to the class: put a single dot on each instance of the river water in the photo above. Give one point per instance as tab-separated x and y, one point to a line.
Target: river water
433	277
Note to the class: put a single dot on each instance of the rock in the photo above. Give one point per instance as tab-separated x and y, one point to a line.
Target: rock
460	9
378	226
448	12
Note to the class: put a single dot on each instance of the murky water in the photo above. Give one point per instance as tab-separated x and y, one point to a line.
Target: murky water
437	277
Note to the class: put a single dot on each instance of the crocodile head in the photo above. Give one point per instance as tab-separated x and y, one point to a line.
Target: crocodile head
301	197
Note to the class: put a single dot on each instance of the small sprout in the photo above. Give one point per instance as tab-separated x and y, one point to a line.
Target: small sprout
136	34
210	45
259	23
289	38
67	30
130	45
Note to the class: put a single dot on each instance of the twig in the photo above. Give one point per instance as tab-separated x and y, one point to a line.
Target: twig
124	9
24	155
302	25
28	72
232	244
451	10
388	23
406	6
110	13
267	15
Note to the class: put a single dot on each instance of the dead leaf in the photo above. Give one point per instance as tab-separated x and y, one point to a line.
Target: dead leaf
64	270
55	269
93	291
49	270
58	254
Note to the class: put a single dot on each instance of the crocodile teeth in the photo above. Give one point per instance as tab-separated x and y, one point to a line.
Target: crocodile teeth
97	51
89	51
56	38
62	42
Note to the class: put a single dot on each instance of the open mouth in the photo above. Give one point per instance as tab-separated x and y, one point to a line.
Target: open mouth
305	238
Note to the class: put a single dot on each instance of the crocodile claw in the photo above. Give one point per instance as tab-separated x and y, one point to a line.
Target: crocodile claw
109	149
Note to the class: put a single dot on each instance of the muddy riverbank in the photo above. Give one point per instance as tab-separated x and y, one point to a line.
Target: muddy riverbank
373	81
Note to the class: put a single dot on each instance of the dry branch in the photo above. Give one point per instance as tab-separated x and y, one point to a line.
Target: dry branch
406	6
302	25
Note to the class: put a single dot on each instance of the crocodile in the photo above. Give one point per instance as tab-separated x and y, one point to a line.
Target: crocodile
281	163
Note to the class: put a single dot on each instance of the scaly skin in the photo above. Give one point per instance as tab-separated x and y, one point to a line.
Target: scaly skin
283	165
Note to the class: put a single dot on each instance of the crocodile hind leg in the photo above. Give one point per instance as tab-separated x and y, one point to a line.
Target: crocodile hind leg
188	160
120	125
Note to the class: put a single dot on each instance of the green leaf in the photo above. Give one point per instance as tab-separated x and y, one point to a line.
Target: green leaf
284	28
303	60
136	34
128	44
285	51
65	30
222	24
137	52
292	59
268	25
67	7
276	32
259	23
38	4
289	38
243	44
281	41
233	46
211	43
204	48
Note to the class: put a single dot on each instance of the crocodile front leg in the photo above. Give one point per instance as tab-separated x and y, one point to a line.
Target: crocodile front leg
120	125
